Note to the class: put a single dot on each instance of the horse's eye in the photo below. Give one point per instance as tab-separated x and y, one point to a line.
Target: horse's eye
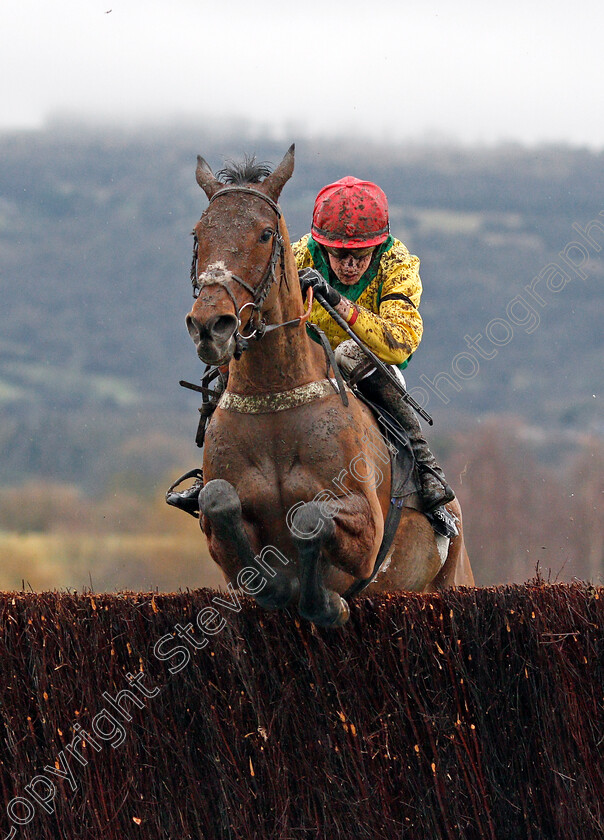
266	235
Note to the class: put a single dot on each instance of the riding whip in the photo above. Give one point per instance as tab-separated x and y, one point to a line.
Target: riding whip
377	362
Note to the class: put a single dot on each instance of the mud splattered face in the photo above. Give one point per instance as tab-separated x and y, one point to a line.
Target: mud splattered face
349	264
238	245
235	239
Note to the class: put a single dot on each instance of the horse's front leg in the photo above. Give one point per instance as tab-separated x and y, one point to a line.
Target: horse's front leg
312	532
230	545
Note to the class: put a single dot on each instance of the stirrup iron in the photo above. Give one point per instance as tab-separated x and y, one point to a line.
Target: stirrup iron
187	499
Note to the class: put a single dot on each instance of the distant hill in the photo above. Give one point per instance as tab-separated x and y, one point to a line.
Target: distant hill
95	253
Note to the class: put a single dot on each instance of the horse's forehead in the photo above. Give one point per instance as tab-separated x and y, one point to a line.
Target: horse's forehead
231	213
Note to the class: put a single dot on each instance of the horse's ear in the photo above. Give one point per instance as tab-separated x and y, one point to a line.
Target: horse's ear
274	183
205	178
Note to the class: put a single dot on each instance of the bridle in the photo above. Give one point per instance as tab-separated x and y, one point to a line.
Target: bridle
260	292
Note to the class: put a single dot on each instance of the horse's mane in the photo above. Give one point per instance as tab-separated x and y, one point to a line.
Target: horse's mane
248	171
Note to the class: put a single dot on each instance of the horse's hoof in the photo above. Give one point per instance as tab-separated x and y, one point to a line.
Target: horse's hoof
281	595
344	614
336	616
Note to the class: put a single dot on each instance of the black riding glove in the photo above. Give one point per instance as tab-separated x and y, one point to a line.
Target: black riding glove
311	277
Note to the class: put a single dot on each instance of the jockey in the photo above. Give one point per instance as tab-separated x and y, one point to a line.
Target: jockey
373	282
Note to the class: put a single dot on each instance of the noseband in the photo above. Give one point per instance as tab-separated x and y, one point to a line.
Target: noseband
262	289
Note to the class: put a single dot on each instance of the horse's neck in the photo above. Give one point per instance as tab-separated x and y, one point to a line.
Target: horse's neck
283	358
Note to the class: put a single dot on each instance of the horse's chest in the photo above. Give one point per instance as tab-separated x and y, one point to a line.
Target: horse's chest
266	469
276	461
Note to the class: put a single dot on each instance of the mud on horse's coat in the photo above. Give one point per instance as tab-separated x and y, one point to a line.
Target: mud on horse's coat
261	465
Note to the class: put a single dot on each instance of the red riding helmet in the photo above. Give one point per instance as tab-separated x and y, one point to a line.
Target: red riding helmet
350	214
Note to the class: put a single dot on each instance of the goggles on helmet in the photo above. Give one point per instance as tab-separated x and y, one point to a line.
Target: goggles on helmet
357	254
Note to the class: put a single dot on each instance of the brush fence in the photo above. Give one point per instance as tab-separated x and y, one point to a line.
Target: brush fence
468	714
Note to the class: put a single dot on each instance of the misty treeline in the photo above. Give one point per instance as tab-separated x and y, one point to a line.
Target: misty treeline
522	515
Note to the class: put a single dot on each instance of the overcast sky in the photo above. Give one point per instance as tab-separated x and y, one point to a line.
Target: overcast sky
466	70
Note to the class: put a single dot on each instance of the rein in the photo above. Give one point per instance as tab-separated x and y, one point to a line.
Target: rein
260	292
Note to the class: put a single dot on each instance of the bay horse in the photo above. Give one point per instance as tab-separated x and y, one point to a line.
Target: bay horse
281	446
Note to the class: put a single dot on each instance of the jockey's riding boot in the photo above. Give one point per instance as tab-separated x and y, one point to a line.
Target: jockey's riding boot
435	490
188	500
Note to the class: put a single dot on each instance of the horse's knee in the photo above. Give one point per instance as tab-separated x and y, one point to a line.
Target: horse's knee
310	526
219	501
220	505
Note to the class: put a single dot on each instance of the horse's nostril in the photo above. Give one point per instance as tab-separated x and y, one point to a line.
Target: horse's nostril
192	327
223	327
